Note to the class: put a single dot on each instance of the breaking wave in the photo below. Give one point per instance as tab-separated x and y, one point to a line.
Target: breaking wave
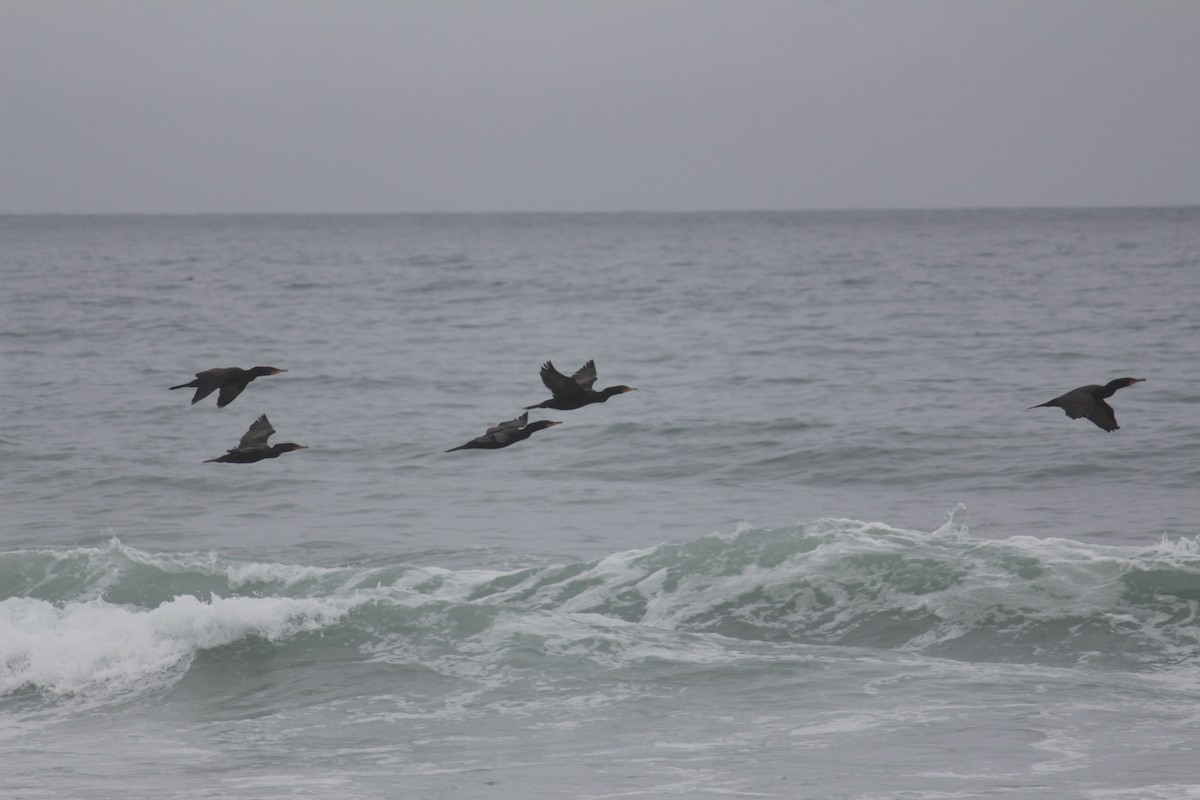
114	618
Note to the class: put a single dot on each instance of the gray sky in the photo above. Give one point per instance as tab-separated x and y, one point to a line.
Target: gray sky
569	105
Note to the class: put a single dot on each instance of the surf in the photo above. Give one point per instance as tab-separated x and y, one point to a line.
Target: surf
116	619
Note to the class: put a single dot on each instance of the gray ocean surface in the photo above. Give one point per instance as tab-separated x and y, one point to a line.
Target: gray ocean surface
823	551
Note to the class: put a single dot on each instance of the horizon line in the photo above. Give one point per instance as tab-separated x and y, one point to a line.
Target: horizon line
601	212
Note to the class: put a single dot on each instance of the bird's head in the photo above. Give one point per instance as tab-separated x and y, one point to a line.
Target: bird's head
267	370
287	447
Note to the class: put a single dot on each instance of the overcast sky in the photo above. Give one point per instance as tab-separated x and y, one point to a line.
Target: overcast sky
570	105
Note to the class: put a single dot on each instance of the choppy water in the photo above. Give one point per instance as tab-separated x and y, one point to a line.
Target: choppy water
823	551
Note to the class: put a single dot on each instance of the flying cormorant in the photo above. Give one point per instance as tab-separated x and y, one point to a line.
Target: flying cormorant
230	380
1088	401
253	446
575	391
505	433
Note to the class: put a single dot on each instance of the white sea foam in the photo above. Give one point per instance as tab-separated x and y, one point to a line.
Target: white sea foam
849	582
97	645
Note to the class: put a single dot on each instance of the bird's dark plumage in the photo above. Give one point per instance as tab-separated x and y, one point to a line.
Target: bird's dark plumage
253	446
1088	401
575	391
230	380
505	433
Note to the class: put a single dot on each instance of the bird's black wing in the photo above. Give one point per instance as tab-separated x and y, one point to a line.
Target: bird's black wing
202	391
519	422
210	380
260	431
558	384
507	432
1078	402
230	391
1084	402
1103	415
586	375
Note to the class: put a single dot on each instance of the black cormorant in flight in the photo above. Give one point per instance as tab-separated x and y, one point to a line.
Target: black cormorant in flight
253	446
505	433
230	380
1088	401
575	391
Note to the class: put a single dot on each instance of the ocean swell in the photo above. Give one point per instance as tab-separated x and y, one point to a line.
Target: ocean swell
850	583
116	618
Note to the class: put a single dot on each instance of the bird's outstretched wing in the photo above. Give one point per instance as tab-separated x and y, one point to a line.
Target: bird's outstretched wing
519	422
228	392
203	390
260	431
562	386
1084	402
585	376
1078	402
555	381
208	381
1103	415
506	432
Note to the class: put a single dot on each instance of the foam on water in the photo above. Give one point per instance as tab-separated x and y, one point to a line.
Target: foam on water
111	618
851	583
94	645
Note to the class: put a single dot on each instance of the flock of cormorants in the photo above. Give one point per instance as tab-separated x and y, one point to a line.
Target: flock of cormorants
231	381
568	393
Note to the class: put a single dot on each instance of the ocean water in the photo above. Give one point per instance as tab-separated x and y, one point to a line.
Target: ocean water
824	551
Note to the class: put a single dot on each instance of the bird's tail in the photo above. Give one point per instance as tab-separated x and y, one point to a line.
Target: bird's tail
1047	404
186	385
539	405
460	447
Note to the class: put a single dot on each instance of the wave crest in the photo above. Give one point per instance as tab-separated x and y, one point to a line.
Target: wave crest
849	583
119	618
